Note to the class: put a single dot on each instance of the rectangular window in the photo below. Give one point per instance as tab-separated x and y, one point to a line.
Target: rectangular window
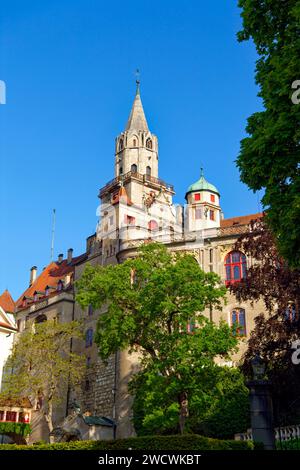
197	197
198	213
89	338
212	198
129	220
212	215
1	415
11	416
22	417
238	319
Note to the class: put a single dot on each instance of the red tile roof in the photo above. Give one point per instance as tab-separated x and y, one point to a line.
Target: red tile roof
241	220
50	276
7	302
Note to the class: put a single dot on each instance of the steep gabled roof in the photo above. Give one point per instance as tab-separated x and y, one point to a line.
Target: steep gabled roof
7	302
50	277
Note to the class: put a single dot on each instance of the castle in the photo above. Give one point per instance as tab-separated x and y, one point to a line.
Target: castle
136	206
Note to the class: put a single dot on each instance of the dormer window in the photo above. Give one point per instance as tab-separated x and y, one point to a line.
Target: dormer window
60	286
134	142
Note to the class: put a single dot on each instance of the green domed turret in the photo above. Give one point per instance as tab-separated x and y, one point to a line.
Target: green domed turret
202	185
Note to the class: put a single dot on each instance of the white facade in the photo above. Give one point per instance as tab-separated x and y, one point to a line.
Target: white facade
7	330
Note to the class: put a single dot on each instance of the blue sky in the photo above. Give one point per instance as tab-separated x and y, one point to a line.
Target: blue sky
69	69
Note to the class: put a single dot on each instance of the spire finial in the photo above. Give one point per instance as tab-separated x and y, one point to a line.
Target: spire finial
137	81
201	172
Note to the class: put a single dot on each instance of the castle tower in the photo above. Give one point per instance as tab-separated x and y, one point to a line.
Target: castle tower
203	205
136	204
136	148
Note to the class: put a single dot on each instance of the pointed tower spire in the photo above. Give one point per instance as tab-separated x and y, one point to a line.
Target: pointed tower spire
137	119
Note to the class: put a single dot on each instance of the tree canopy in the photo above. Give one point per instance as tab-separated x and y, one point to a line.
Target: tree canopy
42	365
270	156
270	279
155	306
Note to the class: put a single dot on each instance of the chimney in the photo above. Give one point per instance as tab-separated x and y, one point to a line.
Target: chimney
70	254
60	258
33	272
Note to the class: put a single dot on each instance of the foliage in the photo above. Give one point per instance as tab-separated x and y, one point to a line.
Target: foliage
150	302
219	407
270	279
186	442
44	364
292	444
23	429
269	156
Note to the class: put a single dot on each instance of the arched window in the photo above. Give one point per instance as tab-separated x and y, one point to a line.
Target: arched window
238	319
291	312
41	318
134	142
134	168
121	144
89	338
148	170
149	143
152	225
121	171
235	267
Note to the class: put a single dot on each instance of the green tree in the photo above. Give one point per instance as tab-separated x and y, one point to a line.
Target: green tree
270	156
218	408
43	365
155	306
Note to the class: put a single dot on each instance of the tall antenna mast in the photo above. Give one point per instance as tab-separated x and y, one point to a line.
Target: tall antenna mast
53	233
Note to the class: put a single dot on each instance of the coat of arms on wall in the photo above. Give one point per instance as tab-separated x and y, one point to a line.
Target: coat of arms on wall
149	199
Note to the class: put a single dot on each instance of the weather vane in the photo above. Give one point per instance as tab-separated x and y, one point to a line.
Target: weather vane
137	81
137	75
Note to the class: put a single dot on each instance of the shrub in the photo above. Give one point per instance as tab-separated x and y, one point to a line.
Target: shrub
190	442
292	444
23	429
